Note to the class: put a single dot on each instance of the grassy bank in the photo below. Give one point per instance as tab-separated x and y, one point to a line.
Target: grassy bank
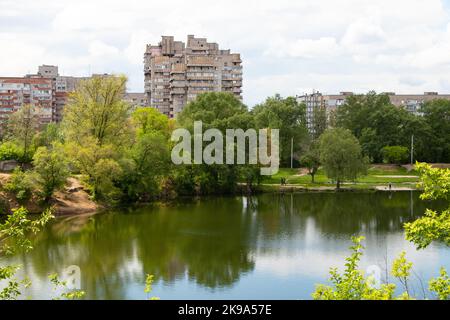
378	178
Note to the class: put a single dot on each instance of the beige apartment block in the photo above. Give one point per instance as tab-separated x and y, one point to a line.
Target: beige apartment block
175	72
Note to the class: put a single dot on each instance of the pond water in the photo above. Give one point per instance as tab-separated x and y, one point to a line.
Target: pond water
268	246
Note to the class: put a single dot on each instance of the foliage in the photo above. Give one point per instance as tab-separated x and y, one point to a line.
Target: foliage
51	170
441	285
340	155
148	287
222	111
97	129
434	226
376	123
62	285
49	135
20	184
436	114
395	154
401	269
287	115
14	237
353	285
311	160
96	109
22	126
10	151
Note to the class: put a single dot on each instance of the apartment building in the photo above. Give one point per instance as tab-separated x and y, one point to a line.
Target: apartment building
15	92
46	90
136	99
411	102
175	72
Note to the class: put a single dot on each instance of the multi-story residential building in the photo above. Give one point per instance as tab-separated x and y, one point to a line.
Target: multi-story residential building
15	92
411	102
136	99
176	73
46	90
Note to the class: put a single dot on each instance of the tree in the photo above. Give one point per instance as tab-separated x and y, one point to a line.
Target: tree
50	134
50	167
97	130
287	115
436	114
22	126
320	121
340	155
16	229
311	160
395	154
96	109
221	111
434	226
354	285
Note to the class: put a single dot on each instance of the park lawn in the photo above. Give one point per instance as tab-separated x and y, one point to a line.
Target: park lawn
376	176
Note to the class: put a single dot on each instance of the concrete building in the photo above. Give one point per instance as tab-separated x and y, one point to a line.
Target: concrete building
136	99
15	92
175	72
46	90
411	102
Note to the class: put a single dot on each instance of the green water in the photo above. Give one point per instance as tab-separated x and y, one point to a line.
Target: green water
265	247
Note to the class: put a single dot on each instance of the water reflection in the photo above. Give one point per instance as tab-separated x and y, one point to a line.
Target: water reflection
227	247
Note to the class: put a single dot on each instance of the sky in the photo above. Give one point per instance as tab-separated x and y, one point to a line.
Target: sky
287	47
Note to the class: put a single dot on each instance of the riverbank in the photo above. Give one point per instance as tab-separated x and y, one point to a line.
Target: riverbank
71	200
379	177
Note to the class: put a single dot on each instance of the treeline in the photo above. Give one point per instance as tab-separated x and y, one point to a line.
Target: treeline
123	155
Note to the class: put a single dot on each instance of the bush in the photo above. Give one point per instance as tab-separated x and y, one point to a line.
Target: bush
395	154
20	185
9	151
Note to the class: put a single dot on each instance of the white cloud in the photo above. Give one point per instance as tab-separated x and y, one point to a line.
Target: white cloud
286	45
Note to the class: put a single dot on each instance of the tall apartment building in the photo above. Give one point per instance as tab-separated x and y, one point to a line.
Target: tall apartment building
176	73
411	102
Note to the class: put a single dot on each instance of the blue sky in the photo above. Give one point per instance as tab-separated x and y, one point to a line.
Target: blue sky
288	47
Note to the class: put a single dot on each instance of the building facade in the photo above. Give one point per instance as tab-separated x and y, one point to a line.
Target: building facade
46	90
175	72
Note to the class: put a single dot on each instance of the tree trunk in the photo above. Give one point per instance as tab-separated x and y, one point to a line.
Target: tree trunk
338	185
312	178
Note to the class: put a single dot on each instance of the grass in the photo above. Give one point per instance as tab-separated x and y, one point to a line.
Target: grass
377	176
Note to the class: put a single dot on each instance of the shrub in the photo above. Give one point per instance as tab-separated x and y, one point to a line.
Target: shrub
9	151
395	154
21	185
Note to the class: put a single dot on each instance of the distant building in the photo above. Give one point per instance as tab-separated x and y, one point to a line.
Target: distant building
176	73
411	102
136	99
46	90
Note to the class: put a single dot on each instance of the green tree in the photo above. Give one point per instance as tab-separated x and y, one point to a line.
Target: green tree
436	114
96	109
287	115
51	170
434	226
340	155
395	154
320	121
221	111
14	237
97	131
311	160
354	285
22	126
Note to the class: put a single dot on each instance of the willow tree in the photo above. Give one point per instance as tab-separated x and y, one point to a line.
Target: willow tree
96	128
341	156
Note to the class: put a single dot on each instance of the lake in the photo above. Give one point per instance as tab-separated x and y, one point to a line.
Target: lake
269	246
